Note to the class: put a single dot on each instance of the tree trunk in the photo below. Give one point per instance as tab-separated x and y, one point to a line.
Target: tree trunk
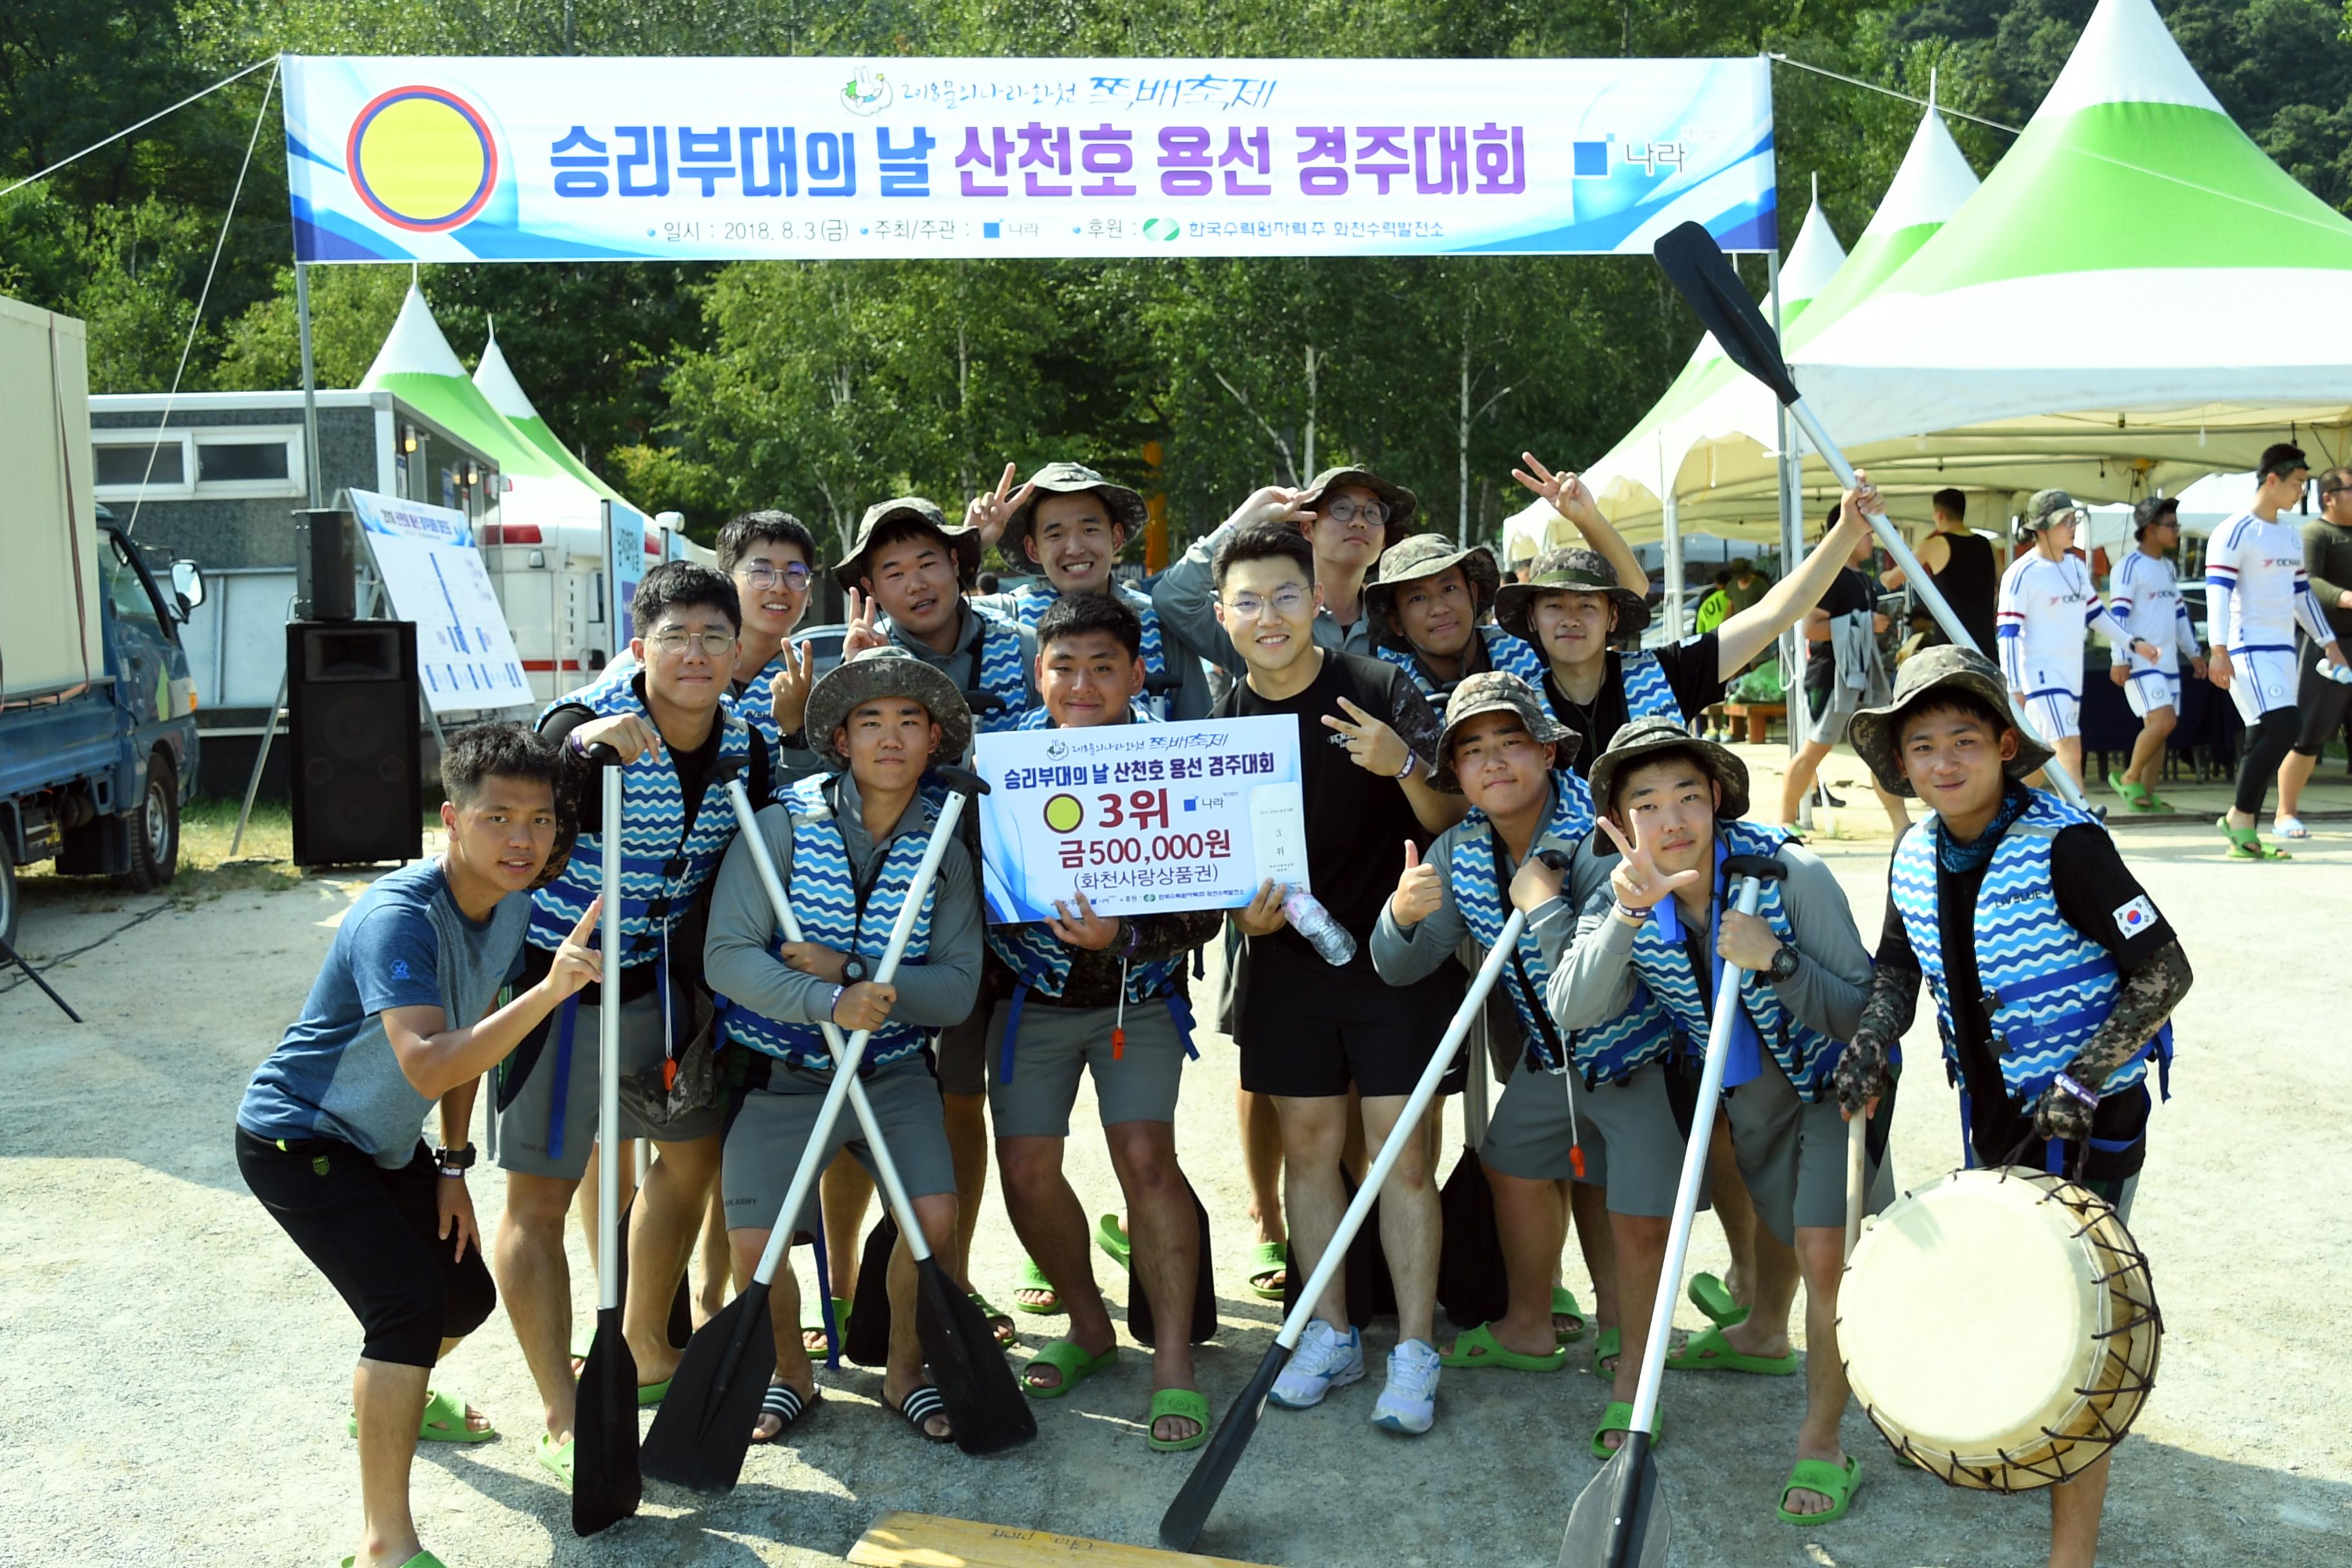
1312	359
1461	505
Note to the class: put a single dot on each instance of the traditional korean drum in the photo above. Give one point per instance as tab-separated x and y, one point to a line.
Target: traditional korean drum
2000	1328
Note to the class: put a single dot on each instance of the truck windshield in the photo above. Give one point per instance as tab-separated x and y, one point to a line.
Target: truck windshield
127	585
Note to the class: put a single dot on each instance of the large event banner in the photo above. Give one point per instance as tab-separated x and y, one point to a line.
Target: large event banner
1142	818
583	158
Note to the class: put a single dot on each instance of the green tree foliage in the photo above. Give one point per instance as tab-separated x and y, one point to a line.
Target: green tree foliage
825	387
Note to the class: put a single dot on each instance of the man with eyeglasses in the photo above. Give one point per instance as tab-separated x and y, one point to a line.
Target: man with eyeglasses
678	740
771	556
2323	701
2256	592
1070	523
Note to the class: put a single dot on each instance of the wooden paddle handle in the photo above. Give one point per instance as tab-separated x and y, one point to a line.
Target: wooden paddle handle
1857	1178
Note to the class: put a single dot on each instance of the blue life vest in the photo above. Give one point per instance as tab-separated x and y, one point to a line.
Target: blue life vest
2047	987
1648	694
1504	652
1804	1053
1030	605
1482	895
1003	673
757	706
663	864
834	913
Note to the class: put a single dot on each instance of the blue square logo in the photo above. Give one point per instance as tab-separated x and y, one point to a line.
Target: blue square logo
991	231
1591	160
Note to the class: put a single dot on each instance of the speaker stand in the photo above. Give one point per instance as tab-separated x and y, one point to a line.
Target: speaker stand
10	955
260	761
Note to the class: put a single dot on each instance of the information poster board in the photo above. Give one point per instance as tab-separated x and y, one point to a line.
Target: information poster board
433	571
1143	818
625	565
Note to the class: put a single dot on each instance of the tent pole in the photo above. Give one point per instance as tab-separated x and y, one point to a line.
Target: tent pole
1792	545
310	381
1674	564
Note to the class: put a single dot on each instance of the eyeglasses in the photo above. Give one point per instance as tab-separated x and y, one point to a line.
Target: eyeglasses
1345	510
1284	601
677	644
763	576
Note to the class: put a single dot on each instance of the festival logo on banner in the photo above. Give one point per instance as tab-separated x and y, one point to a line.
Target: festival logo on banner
583	158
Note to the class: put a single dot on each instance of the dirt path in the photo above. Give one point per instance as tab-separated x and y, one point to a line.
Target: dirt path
177	1374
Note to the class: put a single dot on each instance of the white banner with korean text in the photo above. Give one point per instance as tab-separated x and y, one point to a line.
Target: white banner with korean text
1142	818
583	158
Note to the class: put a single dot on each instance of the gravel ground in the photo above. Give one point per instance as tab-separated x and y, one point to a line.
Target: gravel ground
178	1375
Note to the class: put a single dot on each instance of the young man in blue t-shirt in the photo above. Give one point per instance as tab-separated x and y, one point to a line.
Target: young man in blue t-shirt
329	1135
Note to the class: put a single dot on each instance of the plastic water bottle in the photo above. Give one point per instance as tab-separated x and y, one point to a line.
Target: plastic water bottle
2338	673
1312	920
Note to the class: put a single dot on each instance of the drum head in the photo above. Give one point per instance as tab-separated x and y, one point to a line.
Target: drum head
1968	1313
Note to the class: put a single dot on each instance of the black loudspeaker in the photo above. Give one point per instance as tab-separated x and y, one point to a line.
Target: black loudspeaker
324	566
351	694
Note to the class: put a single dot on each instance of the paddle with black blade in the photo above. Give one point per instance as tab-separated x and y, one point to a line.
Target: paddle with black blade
703	1429
605	1482
1180	1527
1701	274
1621	1518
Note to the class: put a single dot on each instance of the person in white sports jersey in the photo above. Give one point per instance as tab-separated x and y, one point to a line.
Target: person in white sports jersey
2144	592
2045	603
2255	591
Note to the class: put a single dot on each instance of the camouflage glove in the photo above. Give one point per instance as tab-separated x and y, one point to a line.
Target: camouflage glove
2058	1115
1860	1074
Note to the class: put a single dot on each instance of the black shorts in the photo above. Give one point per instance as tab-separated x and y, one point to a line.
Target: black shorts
2324	702
371	1232
1307	1030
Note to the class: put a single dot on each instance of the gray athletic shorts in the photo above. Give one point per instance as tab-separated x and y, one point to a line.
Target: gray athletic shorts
1630	1144
1792	1154
1056	1044
769	1133
958	1052
523	1125
1833	710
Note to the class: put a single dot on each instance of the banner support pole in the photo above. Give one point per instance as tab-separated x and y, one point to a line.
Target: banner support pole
310	381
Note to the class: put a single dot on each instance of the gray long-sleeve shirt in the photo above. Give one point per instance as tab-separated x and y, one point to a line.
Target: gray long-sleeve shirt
2328	564
1186	597
1404	954
932	995
1826	992
960	664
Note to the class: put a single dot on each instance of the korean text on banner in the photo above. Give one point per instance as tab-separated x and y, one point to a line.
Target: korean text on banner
624	562
426	555
585	159
1143	818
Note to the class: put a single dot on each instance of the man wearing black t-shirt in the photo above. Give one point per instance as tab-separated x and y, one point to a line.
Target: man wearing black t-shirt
2054	974
1307	1030
1843	669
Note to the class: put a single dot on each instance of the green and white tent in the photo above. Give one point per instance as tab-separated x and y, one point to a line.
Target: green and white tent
2137	296
418	366
495	380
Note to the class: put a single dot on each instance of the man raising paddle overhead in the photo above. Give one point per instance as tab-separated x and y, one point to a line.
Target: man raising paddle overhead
848	845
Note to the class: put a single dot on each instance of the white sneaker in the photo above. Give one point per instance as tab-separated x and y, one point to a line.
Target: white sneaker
1322	1362
1409	1402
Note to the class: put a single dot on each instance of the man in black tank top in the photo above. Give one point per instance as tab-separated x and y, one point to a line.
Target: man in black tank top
1964	568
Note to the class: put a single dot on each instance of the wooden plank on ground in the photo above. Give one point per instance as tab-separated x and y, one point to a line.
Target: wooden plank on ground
930	1541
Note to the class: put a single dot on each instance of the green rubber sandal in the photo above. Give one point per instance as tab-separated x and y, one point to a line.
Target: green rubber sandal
1180	1402
1608	1343
422	1559
1113	1240
1032	1280
1565	1305
1618	1417
1836	1482
1268	1266
1000	1321
649	1393
1478	1347
813	1327
2136	796
1709	1350
2246	843
556	1456
1070	1359
444	1422
1710	1296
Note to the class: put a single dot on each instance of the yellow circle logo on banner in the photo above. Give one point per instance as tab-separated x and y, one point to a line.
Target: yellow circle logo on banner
1063	813
422	159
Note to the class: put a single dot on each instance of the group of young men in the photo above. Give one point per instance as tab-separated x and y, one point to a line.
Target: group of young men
1451	728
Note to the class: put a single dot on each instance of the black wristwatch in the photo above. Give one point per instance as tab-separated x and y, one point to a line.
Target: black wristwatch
853	970
455	1162
1784	962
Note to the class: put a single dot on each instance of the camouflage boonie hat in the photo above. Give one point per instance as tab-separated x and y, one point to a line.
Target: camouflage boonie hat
1949	667
1402	503
2045	508
1125	506
2152	510
1574	570
887	672
1644	737
1499	692
1426	555
965	542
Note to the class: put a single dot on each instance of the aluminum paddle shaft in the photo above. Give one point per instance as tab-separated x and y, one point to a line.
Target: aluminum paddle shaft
609	1260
